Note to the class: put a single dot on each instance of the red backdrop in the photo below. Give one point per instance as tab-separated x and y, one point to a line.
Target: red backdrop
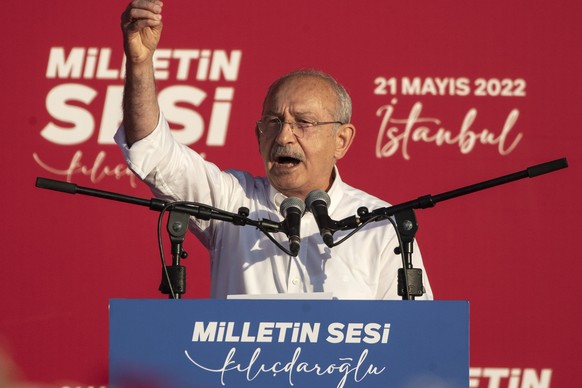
445	94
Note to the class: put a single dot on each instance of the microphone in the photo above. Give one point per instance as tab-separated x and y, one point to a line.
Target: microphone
292	209
317	202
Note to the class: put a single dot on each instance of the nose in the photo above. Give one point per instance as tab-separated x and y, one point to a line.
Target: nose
286	135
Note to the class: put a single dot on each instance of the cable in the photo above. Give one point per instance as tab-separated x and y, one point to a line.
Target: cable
400	242
213	213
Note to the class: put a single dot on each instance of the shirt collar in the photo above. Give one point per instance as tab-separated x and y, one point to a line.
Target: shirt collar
334	192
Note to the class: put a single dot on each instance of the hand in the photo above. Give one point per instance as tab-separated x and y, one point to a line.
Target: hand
141	23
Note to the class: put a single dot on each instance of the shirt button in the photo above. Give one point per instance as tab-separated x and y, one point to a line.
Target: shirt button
295	281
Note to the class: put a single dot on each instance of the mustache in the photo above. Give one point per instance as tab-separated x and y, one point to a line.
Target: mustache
286	152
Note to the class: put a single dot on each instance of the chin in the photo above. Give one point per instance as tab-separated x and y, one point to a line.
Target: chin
284	185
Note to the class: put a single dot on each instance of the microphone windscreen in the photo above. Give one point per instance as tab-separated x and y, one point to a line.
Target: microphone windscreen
317	195
292	202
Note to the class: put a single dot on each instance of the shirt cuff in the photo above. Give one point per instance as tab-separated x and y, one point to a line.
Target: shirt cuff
145	154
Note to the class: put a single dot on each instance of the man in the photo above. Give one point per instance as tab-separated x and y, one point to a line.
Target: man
303	131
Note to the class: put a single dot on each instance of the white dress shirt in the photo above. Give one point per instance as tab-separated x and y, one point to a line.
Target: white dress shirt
243	259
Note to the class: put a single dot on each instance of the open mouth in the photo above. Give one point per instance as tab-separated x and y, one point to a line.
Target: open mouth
286	157
287	161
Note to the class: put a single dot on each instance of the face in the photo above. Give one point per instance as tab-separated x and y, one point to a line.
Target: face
296	166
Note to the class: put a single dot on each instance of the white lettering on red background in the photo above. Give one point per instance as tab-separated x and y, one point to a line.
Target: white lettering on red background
95	169
400	133
88	73
509	378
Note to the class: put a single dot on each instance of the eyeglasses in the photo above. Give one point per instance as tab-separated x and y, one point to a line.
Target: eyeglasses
271	125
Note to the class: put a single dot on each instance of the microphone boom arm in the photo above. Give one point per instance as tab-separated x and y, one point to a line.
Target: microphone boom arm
409	278
174	276
428	201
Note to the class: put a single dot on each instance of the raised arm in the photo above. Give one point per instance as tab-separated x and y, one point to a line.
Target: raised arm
141	23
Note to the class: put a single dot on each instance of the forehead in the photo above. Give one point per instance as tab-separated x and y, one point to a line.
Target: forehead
304	94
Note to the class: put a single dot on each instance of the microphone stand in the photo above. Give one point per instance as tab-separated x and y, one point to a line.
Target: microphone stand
174	276
410	279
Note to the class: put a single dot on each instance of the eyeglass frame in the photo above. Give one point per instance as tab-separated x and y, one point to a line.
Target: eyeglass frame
294	125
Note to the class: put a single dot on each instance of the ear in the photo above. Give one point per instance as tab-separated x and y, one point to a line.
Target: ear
343	140
257	134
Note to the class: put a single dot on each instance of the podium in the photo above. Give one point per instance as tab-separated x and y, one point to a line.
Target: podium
288	343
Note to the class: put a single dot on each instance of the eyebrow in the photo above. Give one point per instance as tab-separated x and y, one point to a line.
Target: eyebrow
295	114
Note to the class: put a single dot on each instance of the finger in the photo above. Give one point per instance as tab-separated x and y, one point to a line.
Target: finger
151	5
132	23
147	13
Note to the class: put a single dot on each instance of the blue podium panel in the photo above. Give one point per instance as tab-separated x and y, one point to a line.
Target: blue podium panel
288	343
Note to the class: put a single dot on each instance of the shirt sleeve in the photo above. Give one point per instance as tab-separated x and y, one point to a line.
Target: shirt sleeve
144	155
175	172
